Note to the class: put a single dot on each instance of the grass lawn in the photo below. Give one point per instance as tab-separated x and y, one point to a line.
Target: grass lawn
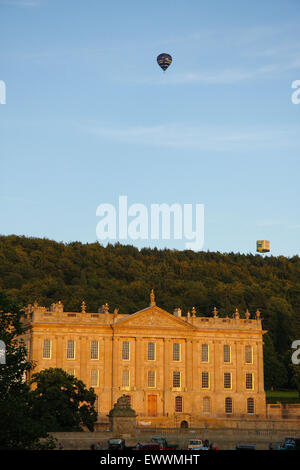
282	396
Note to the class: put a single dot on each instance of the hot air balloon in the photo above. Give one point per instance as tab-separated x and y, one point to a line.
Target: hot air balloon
164	60
262	246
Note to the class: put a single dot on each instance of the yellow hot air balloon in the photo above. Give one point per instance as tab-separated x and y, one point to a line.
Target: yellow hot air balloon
262	246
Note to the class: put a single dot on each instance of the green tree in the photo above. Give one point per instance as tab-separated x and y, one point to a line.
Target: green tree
61	401
275	372
18	430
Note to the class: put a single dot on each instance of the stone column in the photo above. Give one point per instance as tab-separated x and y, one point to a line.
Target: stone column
240	355
218	357
166	372
84	351
260	367
59	351
139	360
108	384
115	365
189	364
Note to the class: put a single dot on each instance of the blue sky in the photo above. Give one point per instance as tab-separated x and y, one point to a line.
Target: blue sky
90	116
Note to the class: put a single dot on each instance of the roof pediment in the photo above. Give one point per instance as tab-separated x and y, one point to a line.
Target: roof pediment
152	317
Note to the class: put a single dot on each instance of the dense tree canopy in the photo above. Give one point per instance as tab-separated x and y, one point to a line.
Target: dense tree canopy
44	270
61	401
18	429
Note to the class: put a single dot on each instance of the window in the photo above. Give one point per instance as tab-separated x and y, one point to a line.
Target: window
227	353
205	380
205	353
228	405
248	354
94	349
151	378
206	405
125	378
249	381
178	405
47	349
71	349
94	378
125	350
71	372
176	379
250	405
151	351
176	351
227	380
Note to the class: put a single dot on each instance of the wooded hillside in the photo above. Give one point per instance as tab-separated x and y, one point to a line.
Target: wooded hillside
47	271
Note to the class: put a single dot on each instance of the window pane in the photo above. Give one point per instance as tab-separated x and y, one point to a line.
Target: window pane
70	349
94	349
206	404
178	404
227	353
176	379
176	352
151	378
227	380
151	351
125	378
204	355
94	377
249	381
228	405
205	380
47	349
250	405
125	350
248	354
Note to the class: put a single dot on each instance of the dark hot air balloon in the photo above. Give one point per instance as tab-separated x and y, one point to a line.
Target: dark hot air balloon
164	60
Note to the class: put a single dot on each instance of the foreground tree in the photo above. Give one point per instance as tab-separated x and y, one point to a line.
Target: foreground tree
18	430
61	401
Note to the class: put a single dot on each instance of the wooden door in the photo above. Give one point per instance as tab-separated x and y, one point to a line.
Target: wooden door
152	405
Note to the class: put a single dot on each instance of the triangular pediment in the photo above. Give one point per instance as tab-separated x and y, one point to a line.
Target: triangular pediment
152	317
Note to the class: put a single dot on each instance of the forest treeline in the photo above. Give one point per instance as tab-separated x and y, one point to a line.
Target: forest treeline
34	269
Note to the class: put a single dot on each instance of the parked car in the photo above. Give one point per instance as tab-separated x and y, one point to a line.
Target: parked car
147	446
290	443
195	443
163	444
245	447
200	448
116	444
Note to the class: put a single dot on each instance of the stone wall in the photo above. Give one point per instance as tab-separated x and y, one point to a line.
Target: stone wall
260	433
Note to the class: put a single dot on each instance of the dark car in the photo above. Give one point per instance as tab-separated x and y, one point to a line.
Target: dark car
290	443
116	444
244	447
147	446
163	444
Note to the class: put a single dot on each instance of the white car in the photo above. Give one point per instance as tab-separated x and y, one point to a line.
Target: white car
195	444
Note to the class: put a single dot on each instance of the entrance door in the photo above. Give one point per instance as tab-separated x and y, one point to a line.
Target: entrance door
152	405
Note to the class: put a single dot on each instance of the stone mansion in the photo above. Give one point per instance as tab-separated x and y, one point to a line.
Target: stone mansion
176	370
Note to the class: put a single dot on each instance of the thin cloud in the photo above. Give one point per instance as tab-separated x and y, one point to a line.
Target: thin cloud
21	3
194	136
